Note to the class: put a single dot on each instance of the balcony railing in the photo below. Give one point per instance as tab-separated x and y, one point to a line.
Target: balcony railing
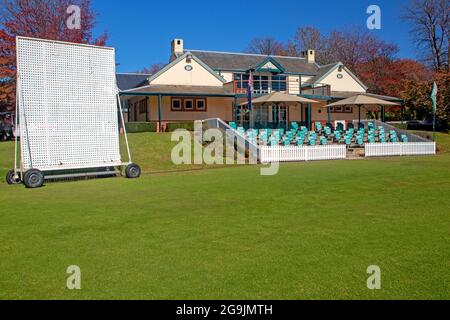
261	86
287	86
317	89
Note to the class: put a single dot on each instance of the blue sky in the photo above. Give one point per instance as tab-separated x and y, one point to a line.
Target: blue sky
141	30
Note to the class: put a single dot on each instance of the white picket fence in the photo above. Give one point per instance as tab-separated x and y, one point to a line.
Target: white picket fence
400	149
305	153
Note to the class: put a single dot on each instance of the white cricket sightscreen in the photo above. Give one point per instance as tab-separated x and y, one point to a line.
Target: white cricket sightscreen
67	105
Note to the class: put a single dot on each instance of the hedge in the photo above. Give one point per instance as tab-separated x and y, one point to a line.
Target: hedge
171	127
134	127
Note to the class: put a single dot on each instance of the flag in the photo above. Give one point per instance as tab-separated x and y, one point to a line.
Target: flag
434	97
250	91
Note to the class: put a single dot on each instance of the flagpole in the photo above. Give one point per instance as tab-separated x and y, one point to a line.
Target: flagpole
250	97
433	98
434	126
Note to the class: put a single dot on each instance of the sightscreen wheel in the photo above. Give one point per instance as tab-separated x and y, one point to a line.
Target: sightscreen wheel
11	179
33	178
132	171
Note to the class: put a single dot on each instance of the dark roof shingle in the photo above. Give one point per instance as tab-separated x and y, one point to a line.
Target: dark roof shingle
126	81
243	61
178	89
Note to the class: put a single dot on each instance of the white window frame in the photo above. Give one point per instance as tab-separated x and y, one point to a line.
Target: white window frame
204	104
189	109
176	109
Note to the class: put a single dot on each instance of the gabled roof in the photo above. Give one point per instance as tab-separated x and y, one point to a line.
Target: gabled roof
274	66
228	61
180	58
324	71
126	81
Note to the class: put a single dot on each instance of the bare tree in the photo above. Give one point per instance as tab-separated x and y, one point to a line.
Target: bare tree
267	46
355	46
306	38
351	46
430	20
154	68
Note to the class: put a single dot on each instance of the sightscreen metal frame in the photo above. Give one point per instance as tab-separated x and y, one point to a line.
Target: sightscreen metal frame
68	106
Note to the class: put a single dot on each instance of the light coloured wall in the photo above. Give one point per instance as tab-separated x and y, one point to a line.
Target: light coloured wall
178	75
216	108
306	79
223	108
319	113
294	84
228	76
347	83
295	113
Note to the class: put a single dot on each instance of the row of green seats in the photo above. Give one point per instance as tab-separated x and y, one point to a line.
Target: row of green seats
393	136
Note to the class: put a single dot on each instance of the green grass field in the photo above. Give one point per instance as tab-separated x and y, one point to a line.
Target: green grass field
309	232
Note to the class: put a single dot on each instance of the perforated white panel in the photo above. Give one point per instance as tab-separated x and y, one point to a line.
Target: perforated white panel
67	105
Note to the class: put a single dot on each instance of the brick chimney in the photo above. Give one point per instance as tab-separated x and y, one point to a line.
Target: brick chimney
310	55
177	47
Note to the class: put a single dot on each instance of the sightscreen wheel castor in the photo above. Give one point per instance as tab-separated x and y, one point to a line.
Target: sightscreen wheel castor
33	178
11	178
132	171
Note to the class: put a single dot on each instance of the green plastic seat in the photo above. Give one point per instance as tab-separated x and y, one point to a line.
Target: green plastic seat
318	126
405	139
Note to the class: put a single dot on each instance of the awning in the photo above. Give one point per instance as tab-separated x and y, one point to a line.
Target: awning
362	100
180	90
279	97
337	95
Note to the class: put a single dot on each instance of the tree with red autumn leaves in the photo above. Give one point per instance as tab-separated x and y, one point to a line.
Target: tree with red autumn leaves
385	76
45	19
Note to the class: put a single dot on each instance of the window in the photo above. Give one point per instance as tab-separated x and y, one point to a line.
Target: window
279	83
143	106
345	109
176	104
260	84
241	80
188	104
200	104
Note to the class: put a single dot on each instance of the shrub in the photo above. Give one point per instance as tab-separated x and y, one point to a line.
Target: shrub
134	127
171	127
